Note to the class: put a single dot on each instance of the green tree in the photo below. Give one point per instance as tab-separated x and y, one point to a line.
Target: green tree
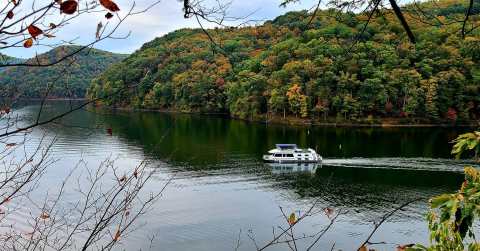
278	102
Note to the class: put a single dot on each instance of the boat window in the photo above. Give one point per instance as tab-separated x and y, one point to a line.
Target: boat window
290	155
277	155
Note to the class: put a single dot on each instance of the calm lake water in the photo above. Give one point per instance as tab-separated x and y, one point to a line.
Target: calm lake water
221	189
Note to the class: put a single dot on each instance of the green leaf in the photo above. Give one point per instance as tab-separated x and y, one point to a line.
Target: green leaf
440	200
472	144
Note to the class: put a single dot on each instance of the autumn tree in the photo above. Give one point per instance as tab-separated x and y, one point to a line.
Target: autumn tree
104	213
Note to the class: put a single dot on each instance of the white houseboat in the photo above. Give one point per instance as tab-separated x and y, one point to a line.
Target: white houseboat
290	153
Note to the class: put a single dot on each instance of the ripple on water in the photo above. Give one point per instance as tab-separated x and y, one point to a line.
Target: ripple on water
428	164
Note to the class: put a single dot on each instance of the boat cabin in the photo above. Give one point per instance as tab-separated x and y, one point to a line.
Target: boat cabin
288	153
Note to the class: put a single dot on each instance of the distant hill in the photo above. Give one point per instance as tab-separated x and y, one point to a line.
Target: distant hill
4	59
309	69
70	78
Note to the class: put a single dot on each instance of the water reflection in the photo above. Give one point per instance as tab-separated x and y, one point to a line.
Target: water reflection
282	168
218	169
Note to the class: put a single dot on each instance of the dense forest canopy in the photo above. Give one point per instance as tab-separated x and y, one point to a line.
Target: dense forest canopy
69	78
324	69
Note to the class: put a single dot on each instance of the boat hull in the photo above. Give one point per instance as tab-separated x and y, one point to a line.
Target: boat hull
291	161
269	159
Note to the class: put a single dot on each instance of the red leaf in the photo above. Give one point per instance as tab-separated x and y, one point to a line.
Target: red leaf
110	5
34	31
10	14
68	7
452	114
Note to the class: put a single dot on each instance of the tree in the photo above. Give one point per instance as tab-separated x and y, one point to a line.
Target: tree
297	101
430	87
452	216
382	71
105	212
278	101
245	96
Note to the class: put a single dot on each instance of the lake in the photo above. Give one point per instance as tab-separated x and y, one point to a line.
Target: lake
221	190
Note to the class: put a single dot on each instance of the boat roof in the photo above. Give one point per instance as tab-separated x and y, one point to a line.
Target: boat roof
286	146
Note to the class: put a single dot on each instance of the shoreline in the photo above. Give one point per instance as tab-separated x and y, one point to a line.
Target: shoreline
53	99
295	121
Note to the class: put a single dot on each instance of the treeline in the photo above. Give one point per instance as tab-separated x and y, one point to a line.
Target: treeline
70	78
5	59
326	69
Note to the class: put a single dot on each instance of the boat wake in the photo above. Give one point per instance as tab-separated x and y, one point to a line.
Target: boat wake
428	164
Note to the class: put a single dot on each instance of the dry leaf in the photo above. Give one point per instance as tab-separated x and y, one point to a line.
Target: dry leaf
117	235
34	31
6	200
292	219
44	216
10	15
328	212
108	15
110	5
97	36
68	7
28	43
404	247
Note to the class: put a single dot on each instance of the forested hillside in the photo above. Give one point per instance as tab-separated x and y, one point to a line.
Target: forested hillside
291	67
4	59
70	78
